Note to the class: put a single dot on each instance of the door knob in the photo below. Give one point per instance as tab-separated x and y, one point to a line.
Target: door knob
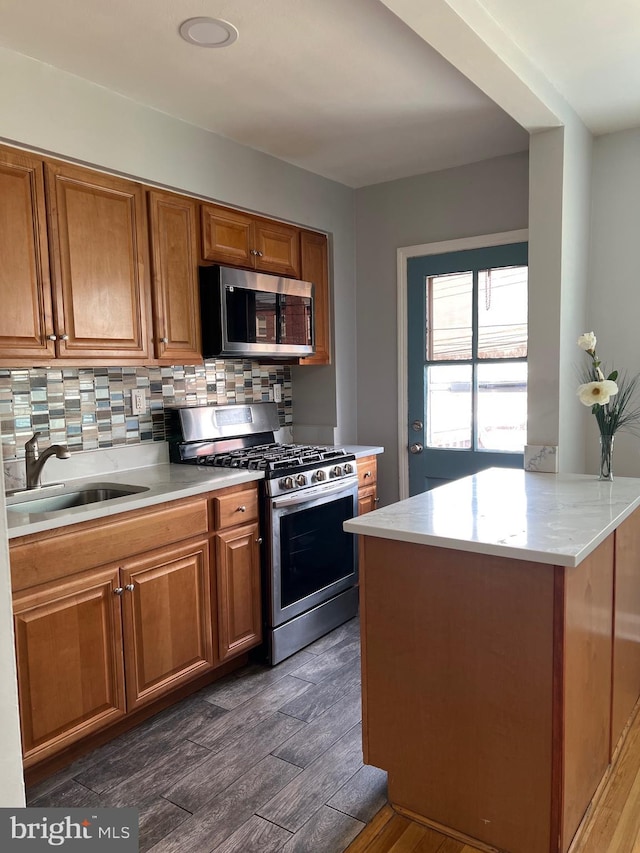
416	448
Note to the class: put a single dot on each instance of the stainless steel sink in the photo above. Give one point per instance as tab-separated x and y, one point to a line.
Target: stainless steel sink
36	502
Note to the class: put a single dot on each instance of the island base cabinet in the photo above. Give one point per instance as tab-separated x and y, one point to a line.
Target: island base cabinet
69	661
486	688
626	630
167	621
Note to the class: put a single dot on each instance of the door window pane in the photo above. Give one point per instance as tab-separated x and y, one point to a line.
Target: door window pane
502	313
502	406
449	406
449	316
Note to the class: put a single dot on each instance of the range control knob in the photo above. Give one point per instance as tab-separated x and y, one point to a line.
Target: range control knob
319	476
336	471
287	483
301	480
348	468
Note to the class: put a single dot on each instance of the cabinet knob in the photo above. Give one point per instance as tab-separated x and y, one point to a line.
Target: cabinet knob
64	337
259	254
241	509
366	474
118	590
376	500
253	251
130	587
259	540
52	337
164	340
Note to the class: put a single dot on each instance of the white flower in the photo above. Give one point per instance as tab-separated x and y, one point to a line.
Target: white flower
587	341
592	393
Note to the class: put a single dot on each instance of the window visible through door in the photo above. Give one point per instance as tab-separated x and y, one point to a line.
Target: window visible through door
476	335
467	362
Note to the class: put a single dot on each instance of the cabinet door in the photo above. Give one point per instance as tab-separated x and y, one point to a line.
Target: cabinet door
26	320
99	264
69	660
277	247
167	620
239	605
315	268
226	236
367	500
174	266
626	625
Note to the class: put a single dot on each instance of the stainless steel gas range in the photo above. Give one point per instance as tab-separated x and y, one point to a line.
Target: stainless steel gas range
309	563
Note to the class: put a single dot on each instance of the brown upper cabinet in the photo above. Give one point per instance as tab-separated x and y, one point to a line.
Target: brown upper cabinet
315	268
26	319
97	227
174	277
98	269
239	239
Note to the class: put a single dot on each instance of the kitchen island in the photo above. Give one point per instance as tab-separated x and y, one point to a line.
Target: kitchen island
501	650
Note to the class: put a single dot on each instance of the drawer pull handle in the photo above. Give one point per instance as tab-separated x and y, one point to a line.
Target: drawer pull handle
118	590
130	587
367	474
241	509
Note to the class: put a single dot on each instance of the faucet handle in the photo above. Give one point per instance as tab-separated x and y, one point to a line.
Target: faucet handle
32	444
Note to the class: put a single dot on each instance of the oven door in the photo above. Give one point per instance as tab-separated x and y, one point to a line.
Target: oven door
311	558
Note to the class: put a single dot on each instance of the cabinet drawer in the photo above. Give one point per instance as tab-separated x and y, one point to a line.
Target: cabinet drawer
367	471
235	508
45	557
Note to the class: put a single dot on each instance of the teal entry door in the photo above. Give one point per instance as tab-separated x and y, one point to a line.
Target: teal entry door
467	363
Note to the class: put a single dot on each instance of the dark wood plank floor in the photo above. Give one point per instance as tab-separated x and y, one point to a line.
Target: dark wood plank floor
268	759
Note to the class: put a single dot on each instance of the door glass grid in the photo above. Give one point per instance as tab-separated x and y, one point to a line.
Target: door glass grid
480	318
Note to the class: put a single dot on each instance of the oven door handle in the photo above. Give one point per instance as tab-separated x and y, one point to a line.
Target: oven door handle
304	495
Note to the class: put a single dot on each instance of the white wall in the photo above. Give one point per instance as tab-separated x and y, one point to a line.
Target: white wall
614	278
47	109
42	107
559	234
481	198
11	781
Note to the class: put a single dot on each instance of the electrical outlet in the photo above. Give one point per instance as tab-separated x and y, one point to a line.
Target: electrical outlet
277	393
138	401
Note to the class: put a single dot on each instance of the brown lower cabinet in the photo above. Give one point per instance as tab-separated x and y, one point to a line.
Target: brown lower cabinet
174	597
367	484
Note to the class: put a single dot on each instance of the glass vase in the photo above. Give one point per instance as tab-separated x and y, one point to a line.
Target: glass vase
606	457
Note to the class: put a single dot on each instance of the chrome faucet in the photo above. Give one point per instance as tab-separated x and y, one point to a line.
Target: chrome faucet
35	460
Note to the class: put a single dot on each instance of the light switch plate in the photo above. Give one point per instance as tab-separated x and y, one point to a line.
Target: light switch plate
277	393
138	401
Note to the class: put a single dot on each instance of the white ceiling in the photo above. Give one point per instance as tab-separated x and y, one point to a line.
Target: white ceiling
342	88
589	50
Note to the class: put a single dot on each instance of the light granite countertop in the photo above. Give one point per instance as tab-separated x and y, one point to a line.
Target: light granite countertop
557	519
162	482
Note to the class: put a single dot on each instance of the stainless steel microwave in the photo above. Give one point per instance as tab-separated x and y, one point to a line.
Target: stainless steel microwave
246	313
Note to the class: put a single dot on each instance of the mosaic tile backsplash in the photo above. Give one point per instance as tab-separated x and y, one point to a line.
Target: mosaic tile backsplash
90	408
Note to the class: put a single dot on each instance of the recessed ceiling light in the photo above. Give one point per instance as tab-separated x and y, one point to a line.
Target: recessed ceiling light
208	32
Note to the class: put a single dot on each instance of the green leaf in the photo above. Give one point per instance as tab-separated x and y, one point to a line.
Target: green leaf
613	375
